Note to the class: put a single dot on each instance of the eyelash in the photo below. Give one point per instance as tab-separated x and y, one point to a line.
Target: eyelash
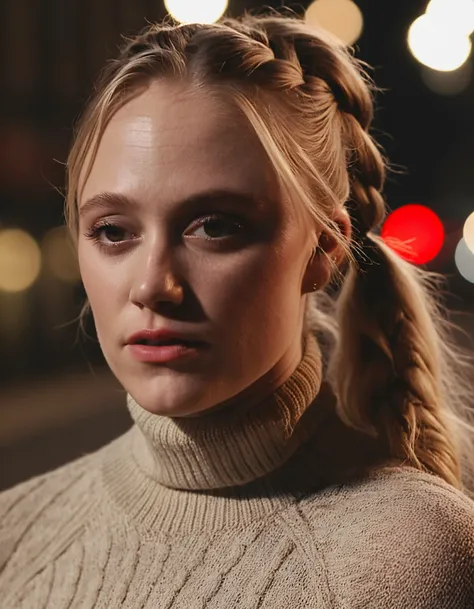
95	231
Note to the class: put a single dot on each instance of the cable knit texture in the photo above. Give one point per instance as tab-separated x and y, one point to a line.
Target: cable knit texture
274	506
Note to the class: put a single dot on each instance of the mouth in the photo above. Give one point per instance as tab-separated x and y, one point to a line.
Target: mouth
165	351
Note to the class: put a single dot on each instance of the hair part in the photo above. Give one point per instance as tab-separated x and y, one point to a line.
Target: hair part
393	363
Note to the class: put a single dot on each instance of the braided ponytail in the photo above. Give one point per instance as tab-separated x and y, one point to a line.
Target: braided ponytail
391	361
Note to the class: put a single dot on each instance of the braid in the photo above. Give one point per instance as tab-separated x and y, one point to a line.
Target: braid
388	337
367	170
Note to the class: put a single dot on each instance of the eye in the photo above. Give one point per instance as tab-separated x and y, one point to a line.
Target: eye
115	234
214	225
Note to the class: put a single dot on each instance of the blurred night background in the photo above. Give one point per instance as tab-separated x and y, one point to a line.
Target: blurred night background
58	398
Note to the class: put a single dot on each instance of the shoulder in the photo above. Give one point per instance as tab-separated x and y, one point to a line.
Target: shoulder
407	483
33	512
420	499
424	511
399	537
399	491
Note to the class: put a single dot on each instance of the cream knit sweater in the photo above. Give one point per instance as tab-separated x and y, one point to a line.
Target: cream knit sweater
277	506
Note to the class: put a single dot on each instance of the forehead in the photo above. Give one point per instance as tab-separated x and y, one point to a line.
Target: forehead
170	142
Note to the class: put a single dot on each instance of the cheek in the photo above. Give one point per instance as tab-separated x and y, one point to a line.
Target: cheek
101	285
251	288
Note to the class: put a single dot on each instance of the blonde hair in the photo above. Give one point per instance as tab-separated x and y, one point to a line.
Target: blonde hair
391	360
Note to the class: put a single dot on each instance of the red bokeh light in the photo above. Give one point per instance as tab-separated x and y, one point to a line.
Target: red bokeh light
415	232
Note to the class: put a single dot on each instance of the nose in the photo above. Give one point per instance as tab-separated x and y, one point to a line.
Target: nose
154	280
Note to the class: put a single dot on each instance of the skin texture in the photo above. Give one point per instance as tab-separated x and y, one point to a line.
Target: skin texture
242	291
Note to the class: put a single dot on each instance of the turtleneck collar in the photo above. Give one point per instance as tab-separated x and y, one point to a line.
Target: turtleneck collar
231	446
238	465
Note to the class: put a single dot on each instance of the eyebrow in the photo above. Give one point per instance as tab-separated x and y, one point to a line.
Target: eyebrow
106	200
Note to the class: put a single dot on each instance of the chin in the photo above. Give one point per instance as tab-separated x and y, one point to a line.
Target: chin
177	401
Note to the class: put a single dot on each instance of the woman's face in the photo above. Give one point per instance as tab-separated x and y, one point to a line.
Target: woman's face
166	161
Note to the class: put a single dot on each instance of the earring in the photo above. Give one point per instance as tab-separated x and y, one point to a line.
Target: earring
315	287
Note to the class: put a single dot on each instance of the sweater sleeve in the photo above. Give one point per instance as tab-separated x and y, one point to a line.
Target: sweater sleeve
43	511
401	539
439	557
407	540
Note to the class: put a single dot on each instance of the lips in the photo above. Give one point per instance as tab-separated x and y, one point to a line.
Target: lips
163	337
164	354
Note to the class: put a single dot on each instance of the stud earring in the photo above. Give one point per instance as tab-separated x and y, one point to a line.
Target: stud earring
315	287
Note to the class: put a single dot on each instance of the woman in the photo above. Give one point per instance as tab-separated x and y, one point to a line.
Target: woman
282	454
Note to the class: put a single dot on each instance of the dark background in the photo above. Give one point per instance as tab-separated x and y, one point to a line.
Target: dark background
57	397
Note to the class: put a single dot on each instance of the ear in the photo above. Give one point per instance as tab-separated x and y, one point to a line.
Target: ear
329	253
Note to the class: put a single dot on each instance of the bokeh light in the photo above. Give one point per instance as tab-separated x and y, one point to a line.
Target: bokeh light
464	259
415	232
59	256
456	14
438	45
20	260
342	18
187	11
468	232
